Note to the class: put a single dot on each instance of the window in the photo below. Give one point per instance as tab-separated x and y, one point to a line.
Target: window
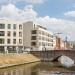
43	38
34	31
20	48
8	41
20	34
20	41
39	37
14	26
8	33
14	33
1	48
14	41
43	43
1	41
2	26
50	40
40	43
2	33
11	48
9	26
51	44
33	43
20	26
51	36
33	38
39	32
43	33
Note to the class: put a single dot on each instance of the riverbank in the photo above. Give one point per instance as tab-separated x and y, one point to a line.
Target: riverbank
7	60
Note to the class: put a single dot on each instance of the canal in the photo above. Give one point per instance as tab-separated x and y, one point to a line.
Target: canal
38	68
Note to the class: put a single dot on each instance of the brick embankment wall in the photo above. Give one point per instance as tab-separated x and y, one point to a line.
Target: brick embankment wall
49	55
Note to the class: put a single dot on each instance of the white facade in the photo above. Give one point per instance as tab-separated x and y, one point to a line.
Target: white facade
17	36
37	37
11	35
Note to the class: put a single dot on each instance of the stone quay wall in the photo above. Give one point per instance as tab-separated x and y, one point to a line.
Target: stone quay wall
52	54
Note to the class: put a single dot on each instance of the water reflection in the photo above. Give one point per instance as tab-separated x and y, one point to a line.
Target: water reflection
37	69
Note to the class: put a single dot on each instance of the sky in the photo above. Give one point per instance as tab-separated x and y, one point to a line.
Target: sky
56	15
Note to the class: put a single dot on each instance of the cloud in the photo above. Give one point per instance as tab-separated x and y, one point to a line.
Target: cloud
26	1
28	10
10	11
66	27
34	1
56	23
50	20
70	13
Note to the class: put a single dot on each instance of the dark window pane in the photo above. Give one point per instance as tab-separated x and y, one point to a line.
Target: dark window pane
34	31
33	43
14	26
8	41
33	38
2	26
1	41
8	33
1	48
2	33
14	41
9	26
20	34
20	41
14	33
20	26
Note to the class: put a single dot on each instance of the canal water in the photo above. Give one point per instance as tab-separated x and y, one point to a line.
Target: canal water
39	68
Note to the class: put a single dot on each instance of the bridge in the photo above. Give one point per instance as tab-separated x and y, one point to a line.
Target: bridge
52	54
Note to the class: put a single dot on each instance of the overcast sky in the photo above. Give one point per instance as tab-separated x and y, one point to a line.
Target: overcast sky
56	15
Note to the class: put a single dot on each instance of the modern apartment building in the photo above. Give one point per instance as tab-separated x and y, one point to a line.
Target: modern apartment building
11	35
18	35
37	37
